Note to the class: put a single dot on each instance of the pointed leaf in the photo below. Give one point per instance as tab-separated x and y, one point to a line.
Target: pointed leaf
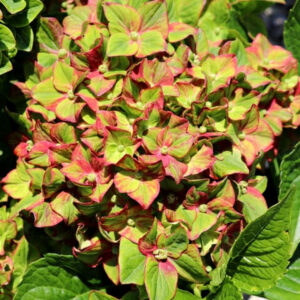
132	263
151	42
288	286
160	279
120	44
7	40
290	175
45	93
201	161
229	162
262	249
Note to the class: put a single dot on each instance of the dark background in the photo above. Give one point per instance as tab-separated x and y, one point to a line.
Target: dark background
274	18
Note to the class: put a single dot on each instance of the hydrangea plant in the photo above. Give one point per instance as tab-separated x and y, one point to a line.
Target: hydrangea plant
151	126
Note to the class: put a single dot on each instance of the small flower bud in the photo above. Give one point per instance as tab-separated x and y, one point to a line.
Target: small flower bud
202	129
62	53
203	208
208	104
103	68
91	177
113	199
164	150
71	95
242	136
121	148
208	269
130	222
160	254
134	35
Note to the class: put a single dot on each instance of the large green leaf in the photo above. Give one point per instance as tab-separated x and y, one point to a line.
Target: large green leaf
227	291
184	295
56	277
14	6
7	40
292	32
33	8
260	254
24	38
6	65
48	33
160	279
132	263
288	287
229	162
290	174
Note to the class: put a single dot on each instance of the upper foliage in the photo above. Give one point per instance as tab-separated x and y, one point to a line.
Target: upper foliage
148	121
15	31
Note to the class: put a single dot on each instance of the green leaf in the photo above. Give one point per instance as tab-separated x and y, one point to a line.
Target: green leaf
24	38
185	11
160	279
63	77
17	183
292	32
120	44
97	295
290	175
122	18
55	277
229	162
118	143
33	8
175	243
21	259
6	65
287	288
254	204
228	291
190	267
48	33
7	39
260	254
184	295
154	17
45	93
151	42
132	263
14	6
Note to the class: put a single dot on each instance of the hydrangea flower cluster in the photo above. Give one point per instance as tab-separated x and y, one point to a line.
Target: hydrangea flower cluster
146	137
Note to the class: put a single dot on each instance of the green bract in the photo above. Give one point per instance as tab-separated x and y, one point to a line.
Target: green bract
149	130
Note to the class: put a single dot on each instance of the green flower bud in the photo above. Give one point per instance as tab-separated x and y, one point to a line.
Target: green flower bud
134	35
203	208
208	104
164	150
202	129
62	53
103	68
113	199
91	177
130	222
71	95
208	269
242	136
160	254
121	148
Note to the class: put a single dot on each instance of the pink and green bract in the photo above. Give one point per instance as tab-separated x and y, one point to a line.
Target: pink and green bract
147	133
